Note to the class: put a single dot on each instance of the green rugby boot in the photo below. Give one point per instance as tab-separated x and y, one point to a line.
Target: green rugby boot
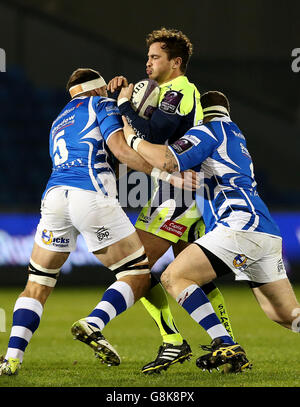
92	336
9	367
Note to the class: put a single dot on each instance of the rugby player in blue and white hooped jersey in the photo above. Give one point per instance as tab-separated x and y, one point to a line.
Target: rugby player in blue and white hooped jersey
80	197
241	236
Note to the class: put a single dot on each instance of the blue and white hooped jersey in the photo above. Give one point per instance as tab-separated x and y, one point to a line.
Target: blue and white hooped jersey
78	140
229	196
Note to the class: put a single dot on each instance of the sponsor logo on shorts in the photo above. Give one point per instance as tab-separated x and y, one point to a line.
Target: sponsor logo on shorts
48	238
174	228
102	233
280	266
144	218
239	262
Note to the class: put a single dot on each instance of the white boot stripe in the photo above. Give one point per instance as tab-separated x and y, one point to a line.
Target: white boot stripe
172	350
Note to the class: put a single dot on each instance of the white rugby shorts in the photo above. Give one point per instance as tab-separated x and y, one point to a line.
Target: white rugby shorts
252	256
66	213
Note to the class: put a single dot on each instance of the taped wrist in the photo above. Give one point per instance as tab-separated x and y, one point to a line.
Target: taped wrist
158	174
133	141
122	100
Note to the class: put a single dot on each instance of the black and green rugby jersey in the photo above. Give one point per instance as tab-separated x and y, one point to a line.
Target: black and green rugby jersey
178	110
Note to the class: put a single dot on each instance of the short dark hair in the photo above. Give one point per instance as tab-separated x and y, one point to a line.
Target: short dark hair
213	98
176	44
81	75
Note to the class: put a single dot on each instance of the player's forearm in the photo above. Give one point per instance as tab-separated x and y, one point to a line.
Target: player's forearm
133	160
159	156
127	155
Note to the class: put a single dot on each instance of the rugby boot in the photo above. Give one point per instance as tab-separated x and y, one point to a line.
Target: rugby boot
92	336
232	357
9	367
168	354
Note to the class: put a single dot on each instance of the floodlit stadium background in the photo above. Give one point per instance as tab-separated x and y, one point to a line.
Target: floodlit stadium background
241	48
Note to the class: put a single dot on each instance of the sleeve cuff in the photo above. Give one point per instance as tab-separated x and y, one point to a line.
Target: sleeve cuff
121	101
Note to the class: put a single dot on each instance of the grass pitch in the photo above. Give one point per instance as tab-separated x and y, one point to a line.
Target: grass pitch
54	359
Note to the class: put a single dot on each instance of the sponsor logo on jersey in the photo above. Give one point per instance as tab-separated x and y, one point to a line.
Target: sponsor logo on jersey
171	101
102	233
245	151
112	108
182	145
68	121
239	262
174	228
193	139
238	134
137	132
64	113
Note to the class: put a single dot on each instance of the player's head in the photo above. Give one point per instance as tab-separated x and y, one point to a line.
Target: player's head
214	104
169	51
86	81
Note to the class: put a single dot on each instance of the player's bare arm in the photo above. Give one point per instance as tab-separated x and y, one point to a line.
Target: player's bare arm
164	164
170	164
127	155
159	156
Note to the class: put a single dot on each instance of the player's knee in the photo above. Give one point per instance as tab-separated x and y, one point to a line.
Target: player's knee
291	320
167	279
133	265
140	284
285	317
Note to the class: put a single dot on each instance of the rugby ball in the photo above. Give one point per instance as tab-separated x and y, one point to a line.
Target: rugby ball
145	97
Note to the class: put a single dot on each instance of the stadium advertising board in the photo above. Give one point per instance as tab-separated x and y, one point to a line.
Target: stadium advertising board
17	235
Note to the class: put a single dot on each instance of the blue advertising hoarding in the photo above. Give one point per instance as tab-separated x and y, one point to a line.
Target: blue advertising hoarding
17	236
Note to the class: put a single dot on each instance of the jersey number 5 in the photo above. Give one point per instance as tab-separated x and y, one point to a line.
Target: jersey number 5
60	152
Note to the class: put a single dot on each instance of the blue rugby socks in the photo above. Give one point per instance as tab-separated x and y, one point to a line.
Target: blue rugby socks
196	303
26	319
116	299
